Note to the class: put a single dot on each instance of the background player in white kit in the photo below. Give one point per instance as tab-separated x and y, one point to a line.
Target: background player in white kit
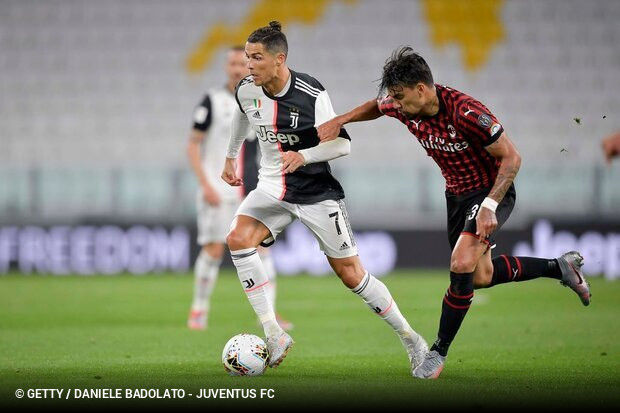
295	182
217	202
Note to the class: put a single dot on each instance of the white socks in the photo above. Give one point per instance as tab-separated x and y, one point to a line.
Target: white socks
205	275
270	270
254	281
378	297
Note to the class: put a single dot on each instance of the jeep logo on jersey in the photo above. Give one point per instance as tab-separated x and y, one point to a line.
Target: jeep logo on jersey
269	136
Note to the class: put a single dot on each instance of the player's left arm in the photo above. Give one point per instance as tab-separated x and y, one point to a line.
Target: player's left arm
504	150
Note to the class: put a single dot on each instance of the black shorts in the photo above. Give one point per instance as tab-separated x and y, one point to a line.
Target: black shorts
462	211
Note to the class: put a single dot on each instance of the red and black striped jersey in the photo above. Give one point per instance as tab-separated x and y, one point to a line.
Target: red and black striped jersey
456	138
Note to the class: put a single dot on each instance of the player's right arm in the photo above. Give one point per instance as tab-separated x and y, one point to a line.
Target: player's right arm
238	133
202	121
367	111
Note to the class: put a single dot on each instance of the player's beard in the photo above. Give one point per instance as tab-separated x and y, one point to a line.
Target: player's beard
409	115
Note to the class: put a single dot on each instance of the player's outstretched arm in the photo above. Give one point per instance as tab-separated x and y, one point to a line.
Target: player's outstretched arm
323	152
368	111
504	150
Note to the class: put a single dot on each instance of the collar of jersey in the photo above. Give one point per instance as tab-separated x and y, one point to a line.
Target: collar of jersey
442	104
288	92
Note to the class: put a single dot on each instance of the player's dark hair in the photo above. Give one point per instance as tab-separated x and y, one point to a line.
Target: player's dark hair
271	37
405	68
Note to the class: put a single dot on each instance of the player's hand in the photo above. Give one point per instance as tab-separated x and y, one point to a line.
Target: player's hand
329	130
229	174
486	223
211	196
292	161
611	147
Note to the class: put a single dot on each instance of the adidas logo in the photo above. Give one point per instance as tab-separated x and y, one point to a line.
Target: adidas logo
256	115
344	246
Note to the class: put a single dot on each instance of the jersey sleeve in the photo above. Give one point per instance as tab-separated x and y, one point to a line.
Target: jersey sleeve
244	81
324	111
478	123
386	106
202	114
238	133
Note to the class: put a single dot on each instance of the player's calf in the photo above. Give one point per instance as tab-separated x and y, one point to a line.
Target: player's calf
254	280
377	296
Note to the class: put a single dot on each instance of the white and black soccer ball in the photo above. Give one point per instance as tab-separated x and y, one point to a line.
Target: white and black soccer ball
245	355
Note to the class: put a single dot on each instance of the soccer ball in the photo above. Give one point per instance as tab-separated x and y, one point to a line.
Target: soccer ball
245	355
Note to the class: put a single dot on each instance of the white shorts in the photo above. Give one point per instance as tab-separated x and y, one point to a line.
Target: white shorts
214	222
327	220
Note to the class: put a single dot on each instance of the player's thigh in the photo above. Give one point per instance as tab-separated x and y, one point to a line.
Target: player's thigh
471	208
261	216
329	223
455	219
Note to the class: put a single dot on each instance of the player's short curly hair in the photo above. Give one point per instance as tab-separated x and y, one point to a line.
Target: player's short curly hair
271	37
405	68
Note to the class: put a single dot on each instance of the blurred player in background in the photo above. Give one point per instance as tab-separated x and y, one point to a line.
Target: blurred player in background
611	146
283	107
217	201
479	163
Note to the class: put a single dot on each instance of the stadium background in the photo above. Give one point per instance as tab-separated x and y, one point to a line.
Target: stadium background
96	99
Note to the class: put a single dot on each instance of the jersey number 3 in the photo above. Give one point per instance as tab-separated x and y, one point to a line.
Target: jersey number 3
472	212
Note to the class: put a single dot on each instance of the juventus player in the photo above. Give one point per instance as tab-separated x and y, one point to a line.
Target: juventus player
216	202
295	182
479	164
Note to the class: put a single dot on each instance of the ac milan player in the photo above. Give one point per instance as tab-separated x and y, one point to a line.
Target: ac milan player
479	164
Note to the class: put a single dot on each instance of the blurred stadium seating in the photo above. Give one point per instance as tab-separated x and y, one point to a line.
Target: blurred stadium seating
96	100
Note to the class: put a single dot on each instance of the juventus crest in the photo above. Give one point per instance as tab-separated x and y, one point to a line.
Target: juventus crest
294	118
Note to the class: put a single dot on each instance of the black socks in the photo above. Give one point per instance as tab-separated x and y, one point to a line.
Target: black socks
456	302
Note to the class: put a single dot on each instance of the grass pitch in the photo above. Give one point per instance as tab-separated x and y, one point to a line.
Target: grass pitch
521	345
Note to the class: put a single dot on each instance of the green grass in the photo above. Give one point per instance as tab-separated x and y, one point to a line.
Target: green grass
520	345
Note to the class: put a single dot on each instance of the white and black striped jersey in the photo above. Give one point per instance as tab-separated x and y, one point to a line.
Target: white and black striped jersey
288	123
214	117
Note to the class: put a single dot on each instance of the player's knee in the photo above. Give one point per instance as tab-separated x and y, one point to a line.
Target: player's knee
214	250
237	241
349	272
462	265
